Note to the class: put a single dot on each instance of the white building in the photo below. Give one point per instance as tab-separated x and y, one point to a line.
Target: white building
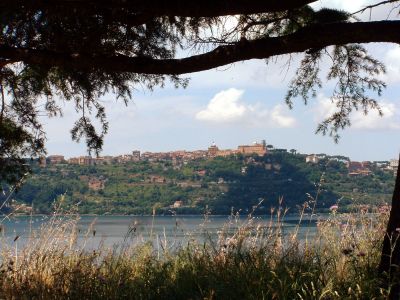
394	164
312	159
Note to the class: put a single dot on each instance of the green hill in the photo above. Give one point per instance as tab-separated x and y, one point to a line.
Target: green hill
216	185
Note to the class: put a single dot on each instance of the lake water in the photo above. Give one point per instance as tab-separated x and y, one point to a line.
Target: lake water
116	230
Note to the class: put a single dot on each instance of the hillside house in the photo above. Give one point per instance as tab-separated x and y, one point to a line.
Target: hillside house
177	204
313	159
56	159
96	184
157	179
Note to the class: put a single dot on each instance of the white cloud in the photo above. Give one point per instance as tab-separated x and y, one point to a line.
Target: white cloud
228	107
323	108
390	119
392	62
280	118
224	107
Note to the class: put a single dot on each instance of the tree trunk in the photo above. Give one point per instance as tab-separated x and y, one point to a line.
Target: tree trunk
390	257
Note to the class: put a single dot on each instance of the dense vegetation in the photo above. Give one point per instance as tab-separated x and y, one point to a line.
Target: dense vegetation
214	185
253	262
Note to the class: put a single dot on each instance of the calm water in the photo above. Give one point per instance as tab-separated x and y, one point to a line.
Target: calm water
116	230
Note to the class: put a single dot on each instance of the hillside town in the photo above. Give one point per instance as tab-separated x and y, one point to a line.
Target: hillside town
259	149
188	180
355	168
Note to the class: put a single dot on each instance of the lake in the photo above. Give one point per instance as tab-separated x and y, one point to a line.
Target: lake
116	230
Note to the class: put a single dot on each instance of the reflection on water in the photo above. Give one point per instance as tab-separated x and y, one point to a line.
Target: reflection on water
178	230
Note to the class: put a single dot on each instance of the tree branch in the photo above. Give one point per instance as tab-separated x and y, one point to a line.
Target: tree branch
373	6
3	102
313	37
207	8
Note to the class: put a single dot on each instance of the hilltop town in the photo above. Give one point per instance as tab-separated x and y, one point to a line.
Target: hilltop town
250	180
355	168
190	182
181	155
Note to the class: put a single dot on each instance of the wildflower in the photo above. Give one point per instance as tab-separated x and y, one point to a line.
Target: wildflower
334	208
361	254
384	209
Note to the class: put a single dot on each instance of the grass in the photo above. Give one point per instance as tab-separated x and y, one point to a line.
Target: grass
253	262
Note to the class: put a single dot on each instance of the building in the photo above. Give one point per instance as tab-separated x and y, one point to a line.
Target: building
213	150
177	204
257	148
158	179
124	158
56	159
366	164
108	159
360	173
357	169
381	164
96	184
98	160
85	160
227	152
312	159
73	160
201	172
82	160
394	164
135	155
354	166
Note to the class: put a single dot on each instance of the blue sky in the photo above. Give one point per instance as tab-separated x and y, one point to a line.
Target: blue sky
239	104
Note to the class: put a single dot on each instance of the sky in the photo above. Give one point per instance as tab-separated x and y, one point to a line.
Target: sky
242	103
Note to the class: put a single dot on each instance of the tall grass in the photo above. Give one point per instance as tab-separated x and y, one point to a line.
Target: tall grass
254	261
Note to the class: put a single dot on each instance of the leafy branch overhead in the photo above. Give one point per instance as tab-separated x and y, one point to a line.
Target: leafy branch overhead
57	51
355	73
